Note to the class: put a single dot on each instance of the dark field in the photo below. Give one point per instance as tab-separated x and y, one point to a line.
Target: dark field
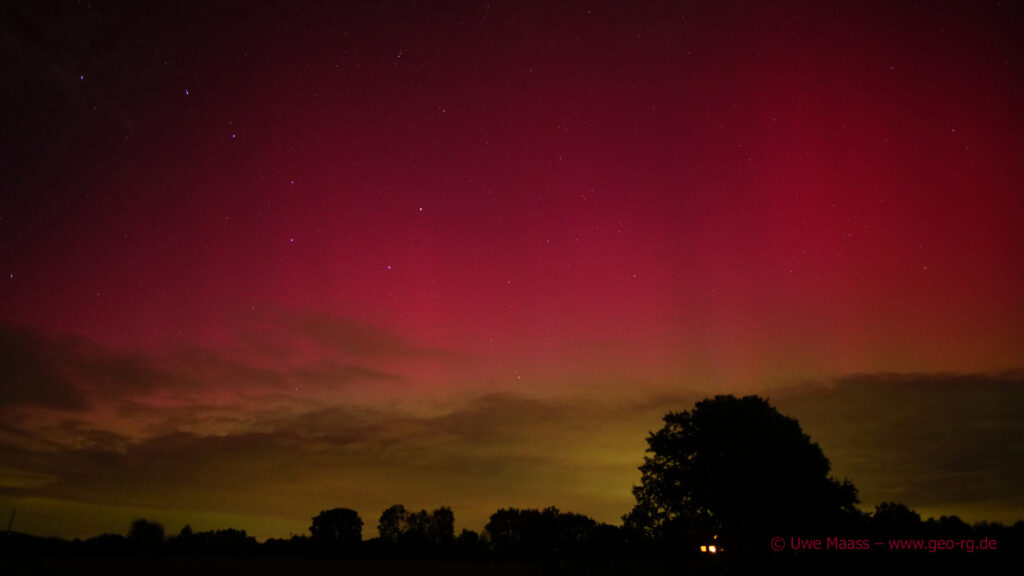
135	566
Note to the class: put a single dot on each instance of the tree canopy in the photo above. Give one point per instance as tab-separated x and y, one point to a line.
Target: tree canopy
398	525
533	533
338	526
739	468
144	533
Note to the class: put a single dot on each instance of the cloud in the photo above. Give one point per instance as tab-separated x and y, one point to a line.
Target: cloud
39	371
947	443
69	374
481	454
218	434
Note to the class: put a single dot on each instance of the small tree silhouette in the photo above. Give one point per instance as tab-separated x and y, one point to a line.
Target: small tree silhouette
145	535
535	534
418	532
339	527
441	527
393	523
893	518
470	544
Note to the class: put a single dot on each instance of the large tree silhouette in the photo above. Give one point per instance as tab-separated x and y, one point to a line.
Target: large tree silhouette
738	468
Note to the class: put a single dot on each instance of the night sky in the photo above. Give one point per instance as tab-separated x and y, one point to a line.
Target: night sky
262	259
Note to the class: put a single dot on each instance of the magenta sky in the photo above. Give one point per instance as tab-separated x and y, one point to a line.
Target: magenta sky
247	232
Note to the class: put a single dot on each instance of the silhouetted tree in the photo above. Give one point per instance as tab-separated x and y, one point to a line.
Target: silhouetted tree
435	527
106	544
417	525
948	527
441	527
393	523
213	542
537	534
417	533
294	546
339	528
739	468
184	542
895	519
145	535
227	541
470	545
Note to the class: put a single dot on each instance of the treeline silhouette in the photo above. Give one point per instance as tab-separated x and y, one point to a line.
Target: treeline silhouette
720	484
552	538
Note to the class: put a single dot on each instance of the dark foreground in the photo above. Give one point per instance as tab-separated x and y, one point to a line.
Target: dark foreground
158	566
199	566
210	566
